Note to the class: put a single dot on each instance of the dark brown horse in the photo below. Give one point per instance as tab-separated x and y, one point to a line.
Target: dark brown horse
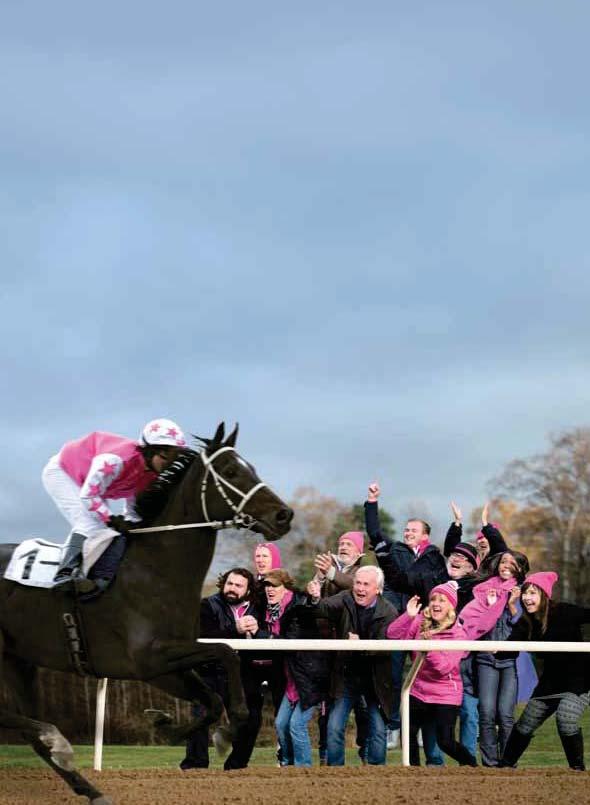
146	624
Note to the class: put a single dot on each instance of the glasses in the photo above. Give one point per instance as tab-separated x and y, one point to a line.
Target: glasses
270	584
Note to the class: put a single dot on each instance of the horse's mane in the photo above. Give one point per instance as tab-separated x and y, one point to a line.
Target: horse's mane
151	502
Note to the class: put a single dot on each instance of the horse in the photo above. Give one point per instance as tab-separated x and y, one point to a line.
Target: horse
145	625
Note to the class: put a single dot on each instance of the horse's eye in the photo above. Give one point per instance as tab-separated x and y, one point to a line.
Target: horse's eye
230	472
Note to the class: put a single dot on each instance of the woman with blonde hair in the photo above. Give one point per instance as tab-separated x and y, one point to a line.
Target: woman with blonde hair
435	696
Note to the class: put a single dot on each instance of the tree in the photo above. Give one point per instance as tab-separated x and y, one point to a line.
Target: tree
552	491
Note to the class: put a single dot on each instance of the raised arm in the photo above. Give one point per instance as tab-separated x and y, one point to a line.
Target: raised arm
377	539
455	532
492	533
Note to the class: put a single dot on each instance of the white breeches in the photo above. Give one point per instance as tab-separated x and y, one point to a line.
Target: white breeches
66	495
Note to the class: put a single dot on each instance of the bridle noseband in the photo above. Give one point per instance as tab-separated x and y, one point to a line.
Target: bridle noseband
239	520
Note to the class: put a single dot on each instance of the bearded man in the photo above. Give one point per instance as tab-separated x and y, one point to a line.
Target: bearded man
233	612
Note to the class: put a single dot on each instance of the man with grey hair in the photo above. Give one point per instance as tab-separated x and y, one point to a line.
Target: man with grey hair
359	614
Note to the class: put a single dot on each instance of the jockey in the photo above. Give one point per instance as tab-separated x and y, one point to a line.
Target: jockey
100	466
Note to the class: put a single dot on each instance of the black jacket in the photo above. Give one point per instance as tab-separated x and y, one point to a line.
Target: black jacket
341	610
419	580
308	669
398	557
494	537
562	673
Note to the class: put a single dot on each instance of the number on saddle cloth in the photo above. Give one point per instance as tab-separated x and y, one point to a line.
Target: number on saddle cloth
34	563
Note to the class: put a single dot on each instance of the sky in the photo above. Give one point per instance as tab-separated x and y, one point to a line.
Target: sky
356	229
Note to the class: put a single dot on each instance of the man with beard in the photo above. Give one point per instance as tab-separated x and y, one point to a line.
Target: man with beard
233	612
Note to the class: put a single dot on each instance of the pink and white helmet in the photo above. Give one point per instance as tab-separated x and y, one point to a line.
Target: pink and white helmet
162	432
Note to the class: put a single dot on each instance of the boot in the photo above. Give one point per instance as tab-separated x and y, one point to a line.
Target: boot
70	568
515	746
573	746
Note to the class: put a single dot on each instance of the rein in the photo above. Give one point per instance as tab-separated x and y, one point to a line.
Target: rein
239	520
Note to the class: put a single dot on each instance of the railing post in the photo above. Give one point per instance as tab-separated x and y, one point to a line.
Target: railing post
101	698
405	706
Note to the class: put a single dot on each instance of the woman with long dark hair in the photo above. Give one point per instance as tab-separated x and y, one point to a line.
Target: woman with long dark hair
564	685
496	674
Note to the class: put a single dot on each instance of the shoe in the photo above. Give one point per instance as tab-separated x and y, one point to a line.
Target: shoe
392	739
71	562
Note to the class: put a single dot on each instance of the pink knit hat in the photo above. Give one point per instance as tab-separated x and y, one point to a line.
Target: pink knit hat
449	590
355	536
544	580
275	554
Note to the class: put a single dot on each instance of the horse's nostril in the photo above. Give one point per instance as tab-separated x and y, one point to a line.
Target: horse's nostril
284	516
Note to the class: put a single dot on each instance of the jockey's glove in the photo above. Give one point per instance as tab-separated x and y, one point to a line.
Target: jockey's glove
118	523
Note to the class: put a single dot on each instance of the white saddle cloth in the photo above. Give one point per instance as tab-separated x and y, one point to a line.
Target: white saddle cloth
34	563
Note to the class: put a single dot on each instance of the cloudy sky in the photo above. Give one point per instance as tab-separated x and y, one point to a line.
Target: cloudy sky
357	229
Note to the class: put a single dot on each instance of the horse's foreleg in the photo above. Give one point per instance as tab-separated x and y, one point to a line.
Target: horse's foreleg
185	656
187	685
46	739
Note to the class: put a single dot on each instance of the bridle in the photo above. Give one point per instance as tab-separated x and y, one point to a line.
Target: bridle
239	520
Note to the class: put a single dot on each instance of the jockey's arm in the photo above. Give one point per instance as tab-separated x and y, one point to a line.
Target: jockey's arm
105	468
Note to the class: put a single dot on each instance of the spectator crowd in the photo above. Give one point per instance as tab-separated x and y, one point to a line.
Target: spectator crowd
461	705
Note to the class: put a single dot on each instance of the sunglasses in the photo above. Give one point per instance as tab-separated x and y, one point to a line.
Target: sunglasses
270	584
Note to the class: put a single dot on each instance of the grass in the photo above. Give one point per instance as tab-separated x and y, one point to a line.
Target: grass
544	751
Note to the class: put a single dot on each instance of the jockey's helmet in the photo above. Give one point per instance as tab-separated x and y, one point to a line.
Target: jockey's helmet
160	432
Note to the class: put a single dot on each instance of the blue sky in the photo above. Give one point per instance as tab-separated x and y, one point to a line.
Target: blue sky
358	230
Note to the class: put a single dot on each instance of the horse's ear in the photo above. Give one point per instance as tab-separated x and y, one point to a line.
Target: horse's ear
219	434
232	438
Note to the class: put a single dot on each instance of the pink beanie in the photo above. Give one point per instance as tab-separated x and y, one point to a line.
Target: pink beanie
449	590
275	554
355	536
544	580
481	535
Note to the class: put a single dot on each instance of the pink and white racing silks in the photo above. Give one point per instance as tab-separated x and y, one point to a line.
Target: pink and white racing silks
105	466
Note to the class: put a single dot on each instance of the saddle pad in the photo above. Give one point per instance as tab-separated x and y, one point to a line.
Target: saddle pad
34	563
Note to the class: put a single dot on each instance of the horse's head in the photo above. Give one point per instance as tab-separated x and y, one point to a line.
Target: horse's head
231	488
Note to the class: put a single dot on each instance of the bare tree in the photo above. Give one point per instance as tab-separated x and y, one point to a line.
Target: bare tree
553	493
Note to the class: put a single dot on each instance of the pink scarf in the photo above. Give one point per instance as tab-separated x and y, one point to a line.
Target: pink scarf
478	617
421	547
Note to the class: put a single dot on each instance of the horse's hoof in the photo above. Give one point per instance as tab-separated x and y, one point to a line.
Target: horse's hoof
222	740
159	718
101	801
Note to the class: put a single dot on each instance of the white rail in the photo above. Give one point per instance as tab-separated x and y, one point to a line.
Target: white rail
420	647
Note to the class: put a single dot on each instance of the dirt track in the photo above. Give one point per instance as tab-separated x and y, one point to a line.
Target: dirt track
377	786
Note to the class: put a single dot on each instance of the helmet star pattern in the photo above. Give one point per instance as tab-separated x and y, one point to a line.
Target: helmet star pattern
163	432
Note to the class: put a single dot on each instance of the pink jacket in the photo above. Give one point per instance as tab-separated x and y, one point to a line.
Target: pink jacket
439	679
105	465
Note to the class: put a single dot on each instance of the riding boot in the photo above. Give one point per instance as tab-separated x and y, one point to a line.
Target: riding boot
70	567
573	746
515	746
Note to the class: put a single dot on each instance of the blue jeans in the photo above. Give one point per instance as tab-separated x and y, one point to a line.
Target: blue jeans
497	699
376	746
468	719
434	757
291	726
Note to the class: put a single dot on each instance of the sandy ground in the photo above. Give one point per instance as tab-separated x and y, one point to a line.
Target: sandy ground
368	786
